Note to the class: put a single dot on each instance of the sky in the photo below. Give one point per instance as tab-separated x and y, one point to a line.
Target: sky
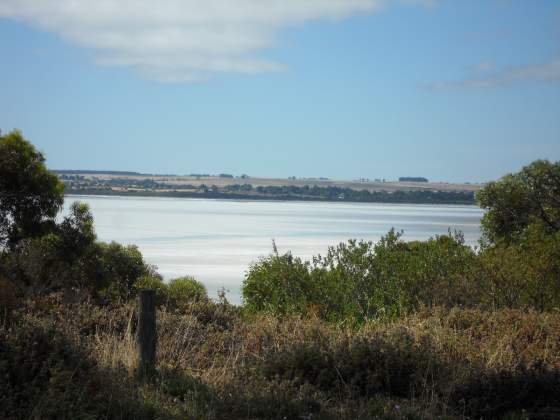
457	91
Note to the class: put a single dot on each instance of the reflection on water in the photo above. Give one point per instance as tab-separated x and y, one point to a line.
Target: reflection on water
216	240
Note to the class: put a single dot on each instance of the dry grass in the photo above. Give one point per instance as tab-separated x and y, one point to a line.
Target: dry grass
214	362
116	351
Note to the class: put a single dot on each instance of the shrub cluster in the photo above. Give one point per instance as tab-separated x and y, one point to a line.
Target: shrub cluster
177	293
361	280
70	258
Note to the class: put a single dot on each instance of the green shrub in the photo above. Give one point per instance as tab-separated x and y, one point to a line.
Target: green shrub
184	290
518	200
360	280
118	267
525	273
153	282
70	258
278	284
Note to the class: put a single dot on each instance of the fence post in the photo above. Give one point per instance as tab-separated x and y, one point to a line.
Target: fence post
146	335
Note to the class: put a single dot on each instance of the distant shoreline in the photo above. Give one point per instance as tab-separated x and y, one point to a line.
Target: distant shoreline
228	187
255	197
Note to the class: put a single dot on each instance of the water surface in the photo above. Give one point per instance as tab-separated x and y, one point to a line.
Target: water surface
216	240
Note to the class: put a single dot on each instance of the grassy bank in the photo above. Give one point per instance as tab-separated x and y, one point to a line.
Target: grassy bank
214	362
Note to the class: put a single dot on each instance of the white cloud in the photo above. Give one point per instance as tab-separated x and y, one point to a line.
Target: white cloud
543	72
179	40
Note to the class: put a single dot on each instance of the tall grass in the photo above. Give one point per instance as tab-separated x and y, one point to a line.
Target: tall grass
215	362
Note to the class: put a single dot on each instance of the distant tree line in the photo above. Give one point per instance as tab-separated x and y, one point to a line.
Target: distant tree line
280	192
413	179
348	194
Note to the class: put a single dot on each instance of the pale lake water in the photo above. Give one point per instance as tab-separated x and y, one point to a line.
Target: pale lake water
216	240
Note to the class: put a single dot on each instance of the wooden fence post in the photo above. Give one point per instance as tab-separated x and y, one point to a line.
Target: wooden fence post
146	335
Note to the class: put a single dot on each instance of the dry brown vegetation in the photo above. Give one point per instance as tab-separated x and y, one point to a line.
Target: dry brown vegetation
214	362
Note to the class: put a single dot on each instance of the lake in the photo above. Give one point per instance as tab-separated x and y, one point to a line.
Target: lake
216	240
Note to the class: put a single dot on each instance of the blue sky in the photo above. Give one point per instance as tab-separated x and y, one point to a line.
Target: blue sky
450	90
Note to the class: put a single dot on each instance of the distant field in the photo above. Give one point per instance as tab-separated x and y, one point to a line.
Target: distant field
172	181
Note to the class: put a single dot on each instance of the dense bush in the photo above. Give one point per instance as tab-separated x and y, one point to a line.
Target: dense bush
336	193
517	200
186	290
525	273
70	258
363	280
153	282
63	258
177	293
279	284
118	269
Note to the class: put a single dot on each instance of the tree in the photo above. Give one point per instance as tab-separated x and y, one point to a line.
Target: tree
518	200
30	195
43	255
119	268
64	258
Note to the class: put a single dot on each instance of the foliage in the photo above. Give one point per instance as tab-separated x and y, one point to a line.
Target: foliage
44	255
176	294
412	179
278	284
519	261
60	360
335	193
148	187
152	281
70	258
119	267
30	195
362	280
64	258
517	200
525	273
185	290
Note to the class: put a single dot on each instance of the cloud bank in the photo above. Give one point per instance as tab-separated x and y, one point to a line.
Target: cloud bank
179	40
